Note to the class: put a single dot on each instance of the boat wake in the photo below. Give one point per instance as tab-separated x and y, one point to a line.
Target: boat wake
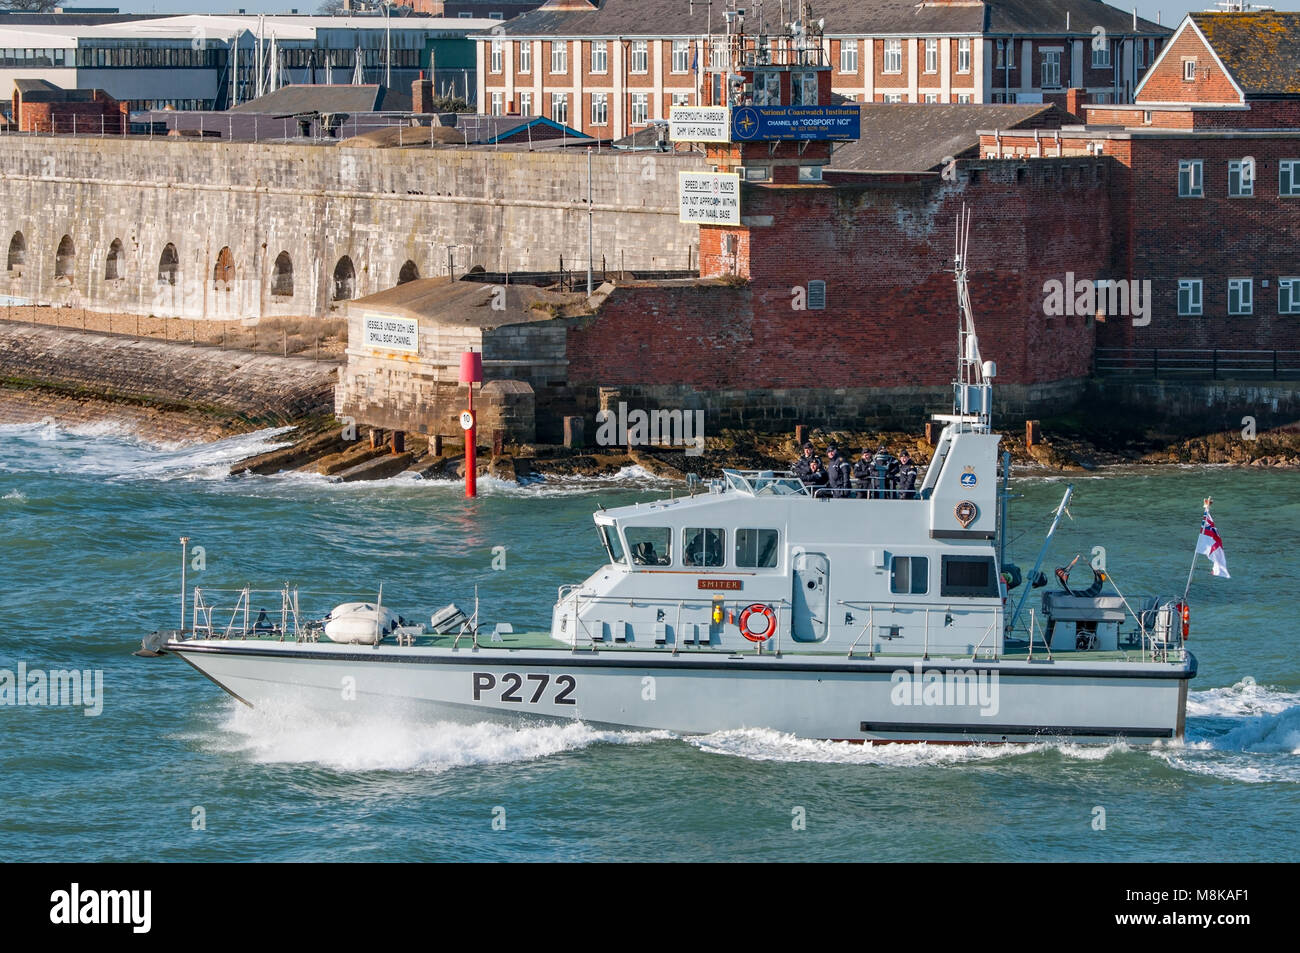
1243	732
286	734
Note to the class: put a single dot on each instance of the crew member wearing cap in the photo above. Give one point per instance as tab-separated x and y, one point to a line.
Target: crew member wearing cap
838	472
863	474
885	466
816	478
804	463
905	479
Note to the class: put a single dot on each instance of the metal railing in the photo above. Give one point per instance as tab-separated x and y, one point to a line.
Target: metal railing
1198	363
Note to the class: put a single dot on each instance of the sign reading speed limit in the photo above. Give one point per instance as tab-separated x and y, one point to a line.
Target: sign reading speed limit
466	419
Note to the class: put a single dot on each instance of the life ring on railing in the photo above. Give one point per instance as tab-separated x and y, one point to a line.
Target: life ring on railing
758	635
1186	614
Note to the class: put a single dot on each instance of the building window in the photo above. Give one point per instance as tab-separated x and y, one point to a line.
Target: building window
681	56
1051	71
640	109
1189	70
756	548
560	108
681	99
803	89
909	575
640	56
932	56
1140	47
1002	55
1288	177
526	56
848	56
1241	296
525	104
816	296
1288	296
931	97
1241	178
893	97
810	173
599	109
498	56
1101	54
498	103
1146	117
718	54
599	56
893	57
767	88
1189	297
1101	98
963	55
963	99
559	57
1190	182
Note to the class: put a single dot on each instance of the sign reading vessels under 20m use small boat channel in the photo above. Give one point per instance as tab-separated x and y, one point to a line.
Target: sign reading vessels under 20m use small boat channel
384	332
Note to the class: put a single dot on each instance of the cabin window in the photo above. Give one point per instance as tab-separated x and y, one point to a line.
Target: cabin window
612	544
703	547
756	548
649	545
968	576
909	575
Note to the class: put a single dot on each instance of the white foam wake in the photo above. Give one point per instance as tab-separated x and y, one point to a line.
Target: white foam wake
1243	732
291	735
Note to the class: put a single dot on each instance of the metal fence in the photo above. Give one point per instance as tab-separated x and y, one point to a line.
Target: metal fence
1198	363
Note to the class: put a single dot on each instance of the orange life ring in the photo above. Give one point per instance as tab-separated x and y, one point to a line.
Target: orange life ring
1187	621
766	612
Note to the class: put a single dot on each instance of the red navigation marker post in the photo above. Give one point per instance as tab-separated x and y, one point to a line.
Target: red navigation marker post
471	373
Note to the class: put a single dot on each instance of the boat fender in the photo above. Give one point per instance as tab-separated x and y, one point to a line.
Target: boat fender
753	633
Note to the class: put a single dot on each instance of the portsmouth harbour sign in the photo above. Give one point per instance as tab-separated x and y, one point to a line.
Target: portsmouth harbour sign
709	198
384	332
699	124
766	123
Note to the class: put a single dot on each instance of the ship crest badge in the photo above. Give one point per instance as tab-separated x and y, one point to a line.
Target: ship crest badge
966	511
968	477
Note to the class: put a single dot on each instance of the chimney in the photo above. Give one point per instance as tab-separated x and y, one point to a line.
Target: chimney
1074	103
422	95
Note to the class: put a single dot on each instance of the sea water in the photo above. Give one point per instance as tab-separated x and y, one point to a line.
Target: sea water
173	769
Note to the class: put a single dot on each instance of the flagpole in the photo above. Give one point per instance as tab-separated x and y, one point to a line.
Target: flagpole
1192	570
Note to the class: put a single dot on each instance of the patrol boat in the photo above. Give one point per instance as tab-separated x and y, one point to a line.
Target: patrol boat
872	616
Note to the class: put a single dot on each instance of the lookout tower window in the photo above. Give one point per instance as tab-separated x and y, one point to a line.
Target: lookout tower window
169	264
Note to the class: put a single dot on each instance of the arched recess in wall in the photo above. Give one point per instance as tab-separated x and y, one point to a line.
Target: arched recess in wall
17	251
282	276
169	263
65	257
410	271
223	273
115	263
345	279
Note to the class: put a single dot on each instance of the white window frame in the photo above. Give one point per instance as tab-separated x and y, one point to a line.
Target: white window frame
1288	296
1002	55
498	103
1238	186
600	109
639	57
963	54
893	97
1138	50
681	99
526	56
1193	288
560	108
931	97
559	56
682	56
1189	69
1244	290
932	56
718	54
640	109
963	99
526	103
498	56
767	88
1050	57
1288	178
849	56
600	56
1101	56
1195	169
800	83
893	59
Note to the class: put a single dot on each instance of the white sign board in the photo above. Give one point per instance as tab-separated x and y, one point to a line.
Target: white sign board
384	332
709	198
699	124
466	419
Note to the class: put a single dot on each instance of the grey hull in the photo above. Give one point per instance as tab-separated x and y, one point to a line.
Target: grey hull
824	697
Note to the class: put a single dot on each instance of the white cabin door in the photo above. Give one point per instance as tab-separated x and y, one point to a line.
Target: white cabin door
811	597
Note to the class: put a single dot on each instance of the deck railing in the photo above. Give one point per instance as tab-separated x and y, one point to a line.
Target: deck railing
1198	363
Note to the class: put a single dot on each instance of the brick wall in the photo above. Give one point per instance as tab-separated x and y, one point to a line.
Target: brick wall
1165	84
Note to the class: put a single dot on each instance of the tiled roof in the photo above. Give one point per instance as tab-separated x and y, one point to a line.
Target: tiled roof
1260	50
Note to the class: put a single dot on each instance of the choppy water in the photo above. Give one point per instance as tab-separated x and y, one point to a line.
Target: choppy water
89	555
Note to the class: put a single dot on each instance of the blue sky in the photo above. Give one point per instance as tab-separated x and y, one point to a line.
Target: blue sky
1171	10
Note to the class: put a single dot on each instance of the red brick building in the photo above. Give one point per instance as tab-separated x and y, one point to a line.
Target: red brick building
614	66
40	106
1206	197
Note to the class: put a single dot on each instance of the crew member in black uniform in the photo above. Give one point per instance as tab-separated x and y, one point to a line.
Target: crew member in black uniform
886	468
816	478
863	473
802	465
906	478
838	473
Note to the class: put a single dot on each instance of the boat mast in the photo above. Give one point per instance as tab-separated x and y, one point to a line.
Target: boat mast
973	388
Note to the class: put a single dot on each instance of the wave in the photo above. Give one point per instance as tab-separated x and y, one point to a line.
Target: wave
1244	732
286	734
